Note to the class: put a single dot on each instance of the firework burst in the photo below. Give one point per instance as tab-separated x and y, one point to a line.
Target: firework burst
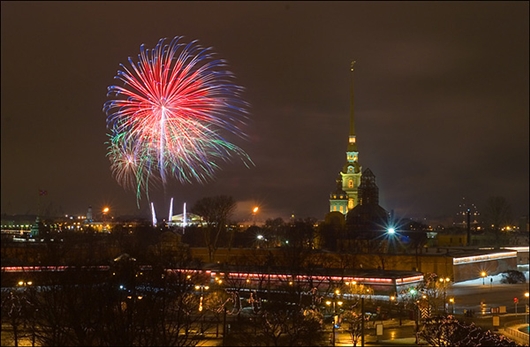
169	117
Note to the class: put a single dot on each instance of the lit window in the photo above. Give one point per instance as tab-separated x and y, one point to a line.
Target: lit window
350	184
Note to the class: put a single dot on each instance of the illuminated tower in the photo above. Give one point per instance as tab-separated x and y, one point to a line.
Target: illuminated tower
350	176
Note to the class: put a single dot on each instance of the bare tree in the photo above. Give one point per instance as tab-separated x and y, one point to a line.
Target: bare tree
448	331
353	321
497	214
215	212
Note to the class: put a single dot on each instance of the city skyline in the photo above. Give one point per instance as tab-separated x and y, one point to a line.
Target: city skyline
441	102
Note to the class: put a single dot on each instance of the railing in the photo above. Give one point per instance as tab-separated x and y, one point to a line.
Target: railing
516	334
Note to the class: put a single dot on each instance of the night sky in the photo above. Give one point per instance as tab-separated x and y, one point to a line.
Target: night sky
441	101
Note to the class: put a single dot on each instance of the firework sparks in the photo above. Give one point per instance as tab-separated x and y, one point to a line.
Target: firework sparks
168	118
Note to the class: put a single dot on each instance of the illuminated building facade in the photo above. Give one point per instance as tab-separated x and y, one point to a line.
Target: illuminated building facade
367	215
345	197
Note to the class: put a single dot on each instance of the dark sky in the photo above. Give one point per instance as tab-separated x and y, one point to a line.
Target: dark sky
441	101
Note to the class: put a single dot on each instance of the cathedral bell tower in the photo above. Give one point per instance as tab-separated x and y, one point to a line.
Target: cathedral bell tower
350	176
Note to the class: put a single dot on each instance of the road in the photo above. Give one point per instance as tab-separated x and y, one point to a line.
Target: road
392	332
470	296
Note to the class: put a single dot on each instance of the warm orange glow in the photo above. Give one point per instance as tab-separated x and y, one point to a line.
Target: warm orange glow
106	209
255	210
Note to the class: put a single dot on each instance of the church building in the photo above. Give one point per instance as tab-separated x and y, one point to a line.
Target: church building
356	195
345	197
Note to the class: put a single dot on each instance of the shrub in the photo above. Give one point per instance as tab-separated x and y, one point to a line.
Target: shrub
513	276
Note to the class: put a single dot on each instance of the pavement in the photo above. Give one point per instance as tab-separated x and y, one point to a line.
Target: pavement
372	340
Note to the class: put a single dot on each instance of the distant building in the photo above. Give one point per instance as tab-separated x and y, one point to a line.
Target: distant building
185	219
345	197
356	194
367	215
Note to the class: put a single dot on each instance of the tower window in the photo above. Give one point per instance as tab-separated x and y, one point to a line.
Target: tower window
350	184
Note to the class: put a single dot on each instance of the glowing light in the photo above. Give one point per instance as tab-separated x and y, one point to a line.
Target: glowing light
391	230
170	211
485	257
153	215
169	117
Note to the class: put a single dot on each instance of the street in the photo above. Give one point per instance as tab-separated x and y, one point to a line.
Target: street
470	296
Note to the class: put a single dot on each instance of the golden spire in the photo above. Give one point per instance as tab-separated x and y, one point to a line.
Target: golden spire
351	140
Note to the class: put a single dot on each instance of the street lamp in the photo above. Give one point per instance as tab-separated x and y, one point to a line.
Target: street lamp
202	288
104	214
254	212
483	274
452	301
444	282
335	316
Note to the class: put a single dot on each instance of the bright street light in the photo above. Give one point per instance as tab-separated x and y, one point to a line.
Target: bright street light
254	213
202	288
483	274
